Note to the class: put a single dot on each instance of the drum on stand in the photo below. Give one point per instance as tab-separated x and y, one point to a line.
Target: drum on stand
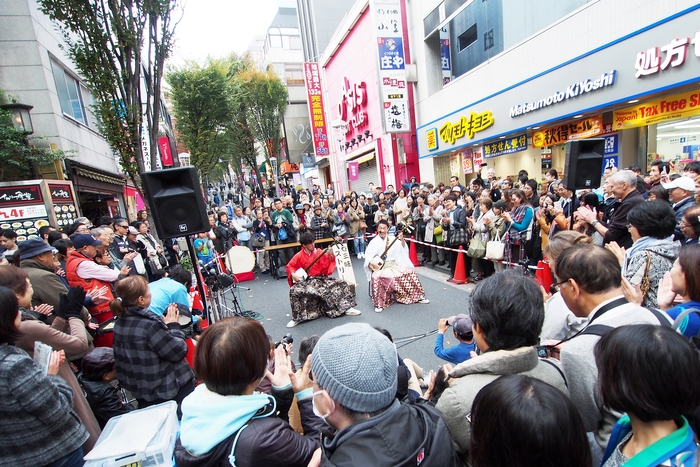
240	259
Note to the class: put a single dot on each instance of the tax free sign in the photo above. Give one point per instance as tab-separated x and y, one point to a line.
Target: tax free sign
605	78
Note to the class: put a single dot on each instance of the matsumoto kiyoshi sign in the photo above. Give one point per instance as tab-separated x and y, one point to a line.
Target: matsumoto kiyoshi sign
573	90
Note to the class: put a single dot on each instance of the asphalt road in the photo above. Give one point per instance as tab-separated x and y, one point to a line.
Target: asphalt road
270	297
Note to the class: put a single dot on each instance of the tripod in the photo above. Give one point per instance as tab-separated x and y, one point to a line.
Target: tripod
221	296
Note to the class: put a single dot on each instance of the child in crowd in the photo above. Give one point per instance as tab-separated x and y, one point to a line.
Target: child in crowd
462	329
106	399
204	247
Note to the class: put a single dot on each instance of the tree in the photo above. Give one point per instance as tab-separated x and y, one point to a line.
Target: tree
264	97
120	47
19	159
203	110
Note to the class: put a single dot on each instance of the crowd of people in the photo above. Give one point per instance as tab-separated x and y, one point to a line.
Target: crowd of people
599	370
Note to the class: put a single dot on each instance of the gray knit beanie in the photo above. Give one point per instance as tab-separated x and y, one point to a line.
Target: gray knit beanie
357	366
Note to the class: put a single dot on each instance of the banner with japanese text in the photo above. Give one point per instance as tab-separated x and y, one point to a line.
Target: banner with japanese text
314	94
658	110
579	129
508	145
388	33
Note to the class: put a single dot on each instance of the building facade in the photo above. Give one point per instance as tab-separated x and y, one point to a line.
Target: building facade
365	146
510	83
35	71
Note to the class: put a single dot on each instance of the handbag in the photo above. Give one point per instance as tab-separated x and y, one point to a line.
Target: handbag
495	248
477	248
162	260
458	236
257	240
645	285
363	225
437	230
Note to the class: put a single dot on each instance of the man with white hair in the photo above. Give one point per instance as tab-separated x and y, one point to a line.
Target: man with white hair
624	188
680	193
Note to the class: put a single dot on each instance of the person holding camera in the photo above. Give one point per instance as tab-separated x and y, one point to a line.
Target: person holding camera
225	421
462	329
506	329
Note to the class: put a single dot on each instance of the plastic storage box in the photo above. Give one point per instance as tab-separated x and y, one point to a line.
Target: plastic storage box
159	451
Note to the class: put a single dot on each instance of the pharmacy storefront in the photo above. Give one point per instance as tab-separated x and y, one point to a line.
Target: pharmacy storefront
641	93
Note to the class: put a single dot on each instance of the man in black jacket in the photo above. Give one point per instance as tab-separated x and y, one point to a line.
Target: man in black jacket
624	187
355	381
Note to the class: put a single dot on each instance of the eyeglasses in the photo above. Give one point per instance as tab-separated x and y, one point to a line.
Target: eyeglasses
558	284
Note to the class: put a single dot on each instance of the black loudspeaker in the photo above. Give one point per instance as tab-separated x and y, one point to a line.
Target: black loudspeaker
584	163
176	201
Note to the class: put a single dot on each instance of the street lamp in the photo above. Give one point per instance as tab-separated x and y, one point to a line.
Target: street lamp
339	128
21	119
273	162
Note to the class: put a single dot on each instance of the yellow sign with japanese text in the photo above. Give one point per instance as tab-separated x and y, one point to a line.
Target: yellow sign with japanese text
451	132
431	137
658	110
580	129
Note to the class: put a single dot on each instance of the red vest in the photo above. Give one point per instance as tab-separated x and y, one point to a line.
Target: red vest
72	263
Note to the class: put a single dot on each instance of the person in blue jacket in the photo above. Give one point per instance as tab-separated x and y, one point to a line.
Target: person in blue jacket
462	329
650	373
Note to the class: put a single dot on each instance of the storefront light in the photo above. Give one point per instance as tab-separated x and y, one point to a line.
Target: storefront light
633	101
578	116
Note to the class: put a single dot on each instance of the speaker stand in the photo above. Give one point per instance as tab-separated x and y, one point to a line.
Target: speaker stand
200	286
571	210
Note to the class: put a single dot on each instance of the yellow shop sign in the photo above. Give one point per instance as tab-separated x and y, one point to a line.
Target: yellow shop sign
657	110
451	132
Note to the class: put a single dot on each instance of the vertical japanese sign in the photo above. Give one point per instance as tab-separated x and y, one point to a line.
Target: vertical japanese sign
467	164
388	32
353	171
312	78
445	56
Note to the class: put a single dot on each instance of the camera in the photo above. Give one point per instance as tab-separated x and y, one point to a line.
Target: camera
287	339
547	351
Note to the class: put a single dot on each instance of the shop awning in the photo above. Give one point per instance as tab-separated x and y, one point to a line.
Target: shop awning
86	178
364	158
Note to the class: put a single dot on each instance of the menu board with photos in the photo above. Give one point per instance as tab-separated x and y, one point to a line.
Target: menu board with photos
28	206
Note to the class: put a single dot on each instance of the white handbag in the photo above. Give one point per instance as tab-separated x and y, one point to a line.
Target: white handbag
495	248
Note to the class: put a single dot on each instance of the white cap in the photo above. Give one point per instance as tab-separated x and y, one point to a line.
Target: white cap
684	183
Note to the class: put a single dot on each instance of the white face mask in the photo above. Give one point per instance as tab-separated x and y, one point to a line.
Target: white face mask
316	412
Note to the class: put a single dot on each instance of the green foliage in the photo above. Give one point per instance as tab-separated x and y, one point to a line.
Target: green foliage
119	47
19	159
266	96
223	108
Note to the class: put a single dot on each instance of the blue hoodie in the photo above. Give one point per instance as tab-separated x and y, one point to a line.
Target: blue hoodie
209	418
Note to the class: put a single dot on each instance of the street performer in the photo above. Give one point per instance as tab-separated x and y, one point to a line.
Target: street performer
312	292
390	270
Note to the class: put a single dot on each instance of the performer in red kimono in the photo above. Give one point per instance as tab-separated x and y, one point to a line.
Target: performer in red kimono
313	293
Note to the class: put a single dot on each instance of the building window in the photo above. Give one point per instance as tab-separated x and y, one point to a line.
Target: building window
70	94
295	42
467	38
488	39
294	74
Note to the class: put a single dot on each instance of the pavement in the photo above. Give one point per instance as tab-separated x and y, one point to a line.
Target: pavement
270	297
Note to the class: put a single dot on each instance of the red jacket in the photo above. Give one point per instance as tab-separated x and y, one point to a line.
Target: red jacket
323	267
72	263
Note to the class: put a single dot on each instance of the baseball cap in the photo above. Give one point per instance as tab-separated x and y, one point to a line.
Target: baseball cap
457	188
462	324
34	247
132	230
299	206
684	183
82	240
500	204
318	207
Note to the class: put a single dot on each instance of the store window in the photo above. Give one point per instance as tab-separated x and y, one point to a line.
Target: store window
71	94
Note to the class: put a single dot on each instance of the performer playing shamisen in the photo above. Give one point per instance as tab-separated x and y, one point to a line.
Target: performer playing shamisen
390	271
312	292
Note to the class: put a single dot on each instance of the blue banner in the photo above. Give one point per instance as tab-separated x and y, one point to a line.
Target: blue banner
508	145
391	53
611	144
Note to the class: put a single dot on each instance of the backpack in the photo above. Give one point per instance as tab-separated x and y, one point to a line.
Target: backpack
282	233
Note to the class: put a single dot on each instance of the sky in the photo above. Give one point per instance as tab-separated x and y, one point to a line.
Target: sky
218	27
